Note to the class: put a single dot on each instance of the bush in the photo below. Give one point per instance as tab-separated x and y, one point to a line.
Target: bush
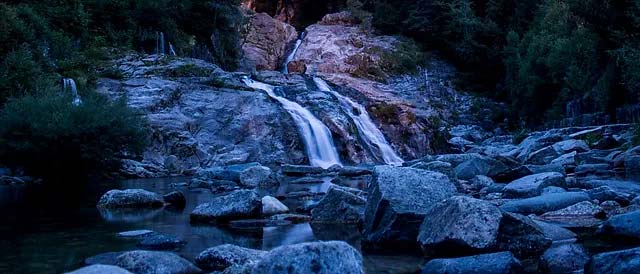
50	137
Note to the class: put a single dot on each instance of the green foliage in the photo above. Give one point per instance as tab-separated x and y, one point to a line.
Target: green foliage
50	137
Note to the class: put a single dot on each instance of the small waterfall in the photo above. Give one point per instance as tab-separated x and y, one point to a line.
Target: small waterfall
285	65
160	43
172	51
70	84
367	130
316	136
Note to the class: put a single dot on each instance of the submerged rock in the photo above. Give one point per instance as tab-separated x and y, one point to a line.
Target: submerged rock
100	269
494	263
399	198
130	198
316	257
223	256
339	206
623	261
176	199
459	226
240	204
155	262
159	241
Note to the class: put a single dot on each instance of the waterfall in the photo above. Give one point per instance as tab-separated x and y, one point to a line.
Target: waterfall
172	51
285	66
160	43
70	84
367	130
316	136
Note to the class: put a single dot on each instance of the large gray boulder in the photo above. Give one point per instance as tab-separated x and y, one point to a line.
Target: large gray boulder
256	176
532	185
240	204
316	257
566	258
459	225
545	203
623	261
155	262
521	235
479	166
494	263
582	214
100	269
623	226
223	256
399	198
272	206
130	198
556	233
339	206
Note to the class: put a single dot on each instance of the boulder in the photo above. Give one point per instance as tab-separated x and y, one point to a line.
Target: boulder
556	233
315	257
155	262
227	173
256	176
436	166
130	198
339	206
107	258
556	167
266	42
459	225
632	166
623	226
521	235
240	204
456	159
545	203
223	256
293	218
353	171
606	193
565	160
100	269
135	233
399	198
571	145
592	169
542	156
300	170
175	198
479	166
494	263
623	261
582	214
272	206
566	258
532	185
479	182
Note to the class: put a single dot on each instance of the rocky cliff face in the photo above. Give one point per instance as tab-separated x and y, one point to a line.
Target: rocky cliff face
266	42
201	116
299	13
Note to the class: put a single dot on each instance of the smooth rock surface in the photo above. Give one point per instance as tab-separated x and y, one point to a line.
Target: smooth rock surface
339	206
272	206
494	263
100	269
317	257
155	262
623	261
240	204
545	203
532	185
130	198
223	256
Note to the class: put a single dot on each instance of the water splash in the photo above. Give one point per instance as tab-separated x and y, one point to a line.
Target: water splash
70	85
368	131
172	51
315	135
285	66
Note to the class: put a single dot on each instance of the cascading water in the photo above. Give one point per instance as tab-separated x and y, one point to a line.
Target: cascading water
367	130
285	66
160	43
316	136
172	51
70	85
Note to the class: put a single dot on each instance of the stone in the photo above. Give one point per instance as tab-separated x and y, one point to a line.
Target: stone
479	166
130	198
595	169
582	214
532	185
622	226
171	164
266	41
457	159
175	198
339	206
521	235
557	167
632	166
565	160
479	182
606	193
159	241
571	145
622	261
221	257
256	224
399	198
553	189
316	257
353	171
298	170
293	218
459	225
272	206
107	258
566	258
240	204
135	233
556	233
545	203
100	269
256	176
436	166
495	263
542	156
226	173
155	262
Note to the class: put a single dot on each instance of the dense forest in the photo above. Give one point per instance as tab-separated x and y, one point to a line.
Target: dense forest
536	55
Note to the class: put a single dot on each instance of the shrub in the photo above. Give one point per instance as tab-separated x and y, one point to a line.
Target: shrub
50	137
